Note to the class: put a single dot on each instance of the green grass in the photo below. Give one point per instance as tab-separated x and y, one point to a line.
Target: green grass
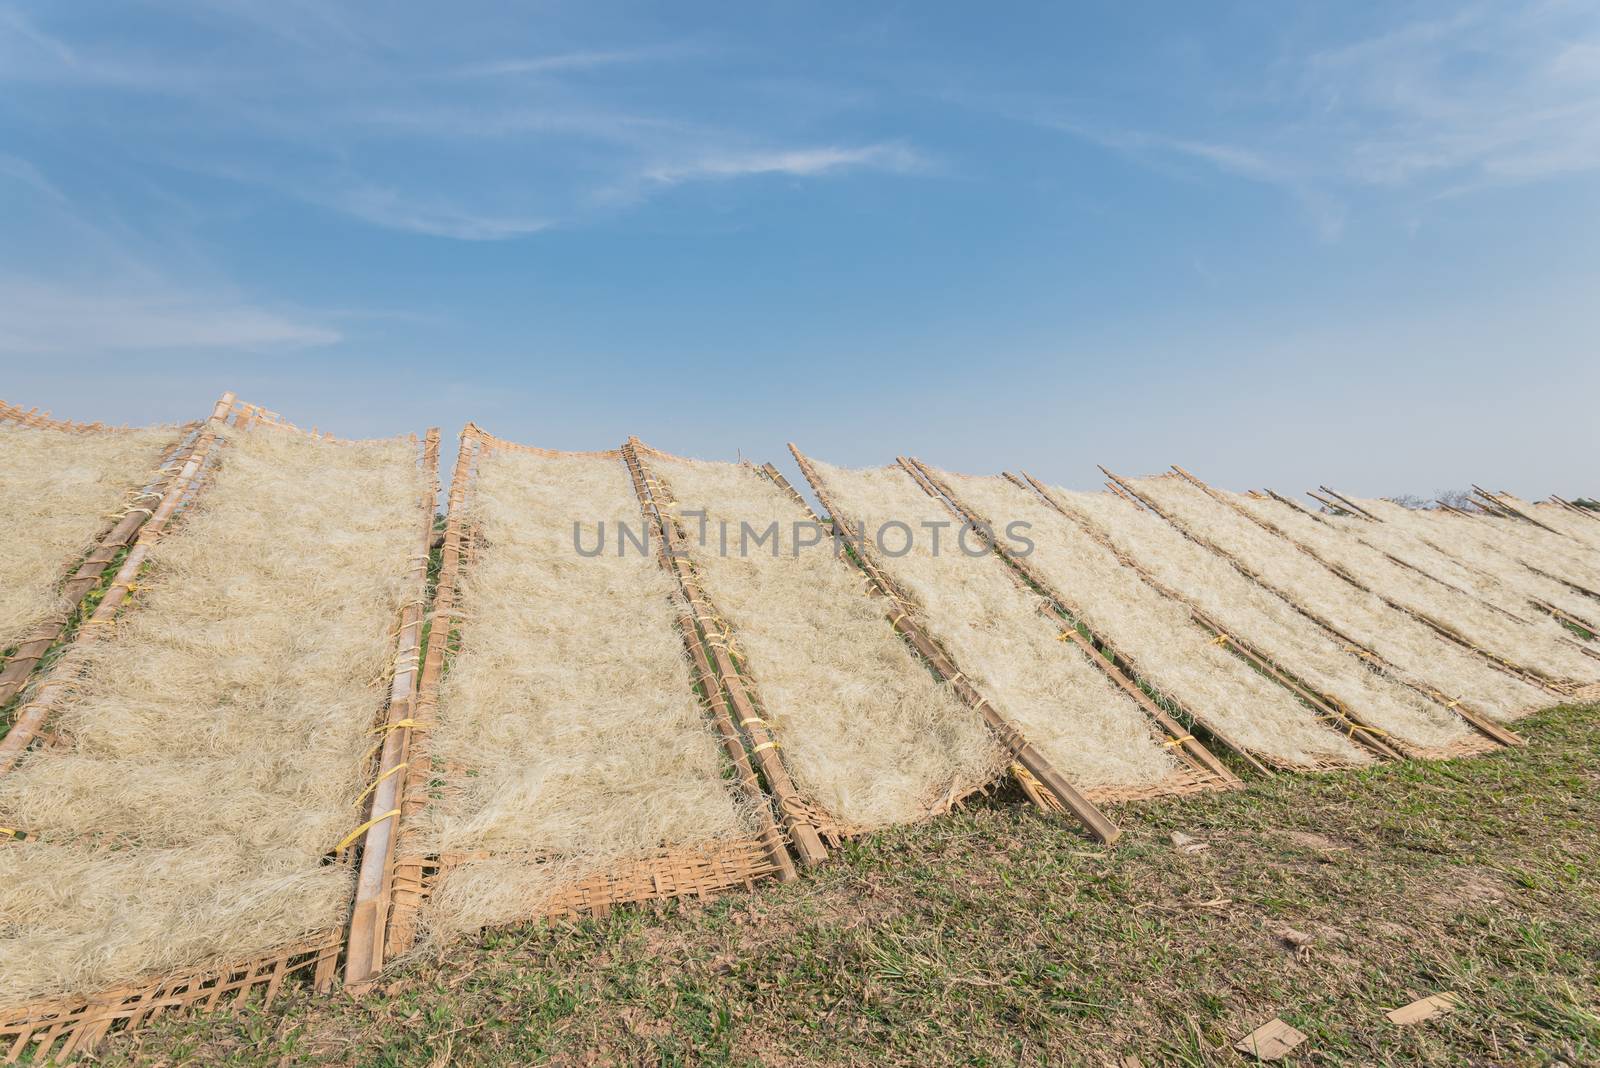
998	935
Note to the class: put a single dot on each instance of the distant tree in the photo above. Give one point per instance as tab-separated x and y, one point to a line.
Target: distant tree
1457	499
1589	503
1411	500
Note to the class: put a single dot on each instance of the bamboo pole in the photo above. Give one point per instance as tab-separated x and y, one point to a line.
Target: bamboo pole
400	897
1024	752
1500	501
32	716
1348	503
1471	716
364	945
1188	746
791	808
712	695
87	575
1330	711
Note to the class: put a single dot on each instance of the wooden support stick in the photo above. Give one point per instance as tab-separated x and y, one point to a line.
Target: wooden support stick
1349	504
364	947
796	820
1022	751
1499	500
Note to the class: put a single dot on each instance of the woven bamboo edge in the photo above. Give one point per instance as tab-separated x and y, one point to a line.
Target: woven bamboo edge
59	1028
62	1027
693	871
77	584
699	869
1473	717
720	698
33	418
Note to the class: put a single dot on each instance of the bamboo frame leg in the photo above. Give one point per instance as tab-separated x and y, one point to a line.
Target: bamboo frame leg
364	952
1021	750
802	833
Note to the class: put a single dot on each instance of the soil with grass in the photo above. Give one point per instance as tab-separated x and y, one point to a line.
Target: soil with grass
998	935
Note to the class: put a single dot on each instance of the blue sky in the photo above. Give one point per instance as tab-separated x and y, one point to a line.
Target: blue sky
1278	244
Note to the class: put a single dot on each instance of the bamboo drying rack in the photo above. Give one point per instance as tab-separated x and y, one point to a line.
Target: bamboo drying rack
61	1027
416	871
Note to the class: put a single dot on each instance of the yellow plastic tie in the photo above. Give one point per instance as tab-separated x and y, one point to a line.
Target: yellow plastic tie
365	793
765	745
1173	743
397	724
749	720
1064	636
897	619
364	828
1220	639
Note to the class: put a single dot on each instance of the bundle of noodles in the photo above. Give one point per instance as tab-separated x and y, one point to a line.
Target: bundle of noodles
568	718
1270	623
866	729
57	488
215	746
1092	732
1157	635
1404	642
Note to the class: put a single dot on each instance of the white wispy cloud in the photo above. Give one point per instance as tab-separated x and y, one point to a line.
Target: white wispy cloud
42	317
1491	95
551	64
798	162
394	210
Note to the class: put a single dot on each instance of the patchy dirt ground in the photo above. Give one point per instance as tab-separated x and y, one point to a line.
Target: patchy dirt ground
1001	936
